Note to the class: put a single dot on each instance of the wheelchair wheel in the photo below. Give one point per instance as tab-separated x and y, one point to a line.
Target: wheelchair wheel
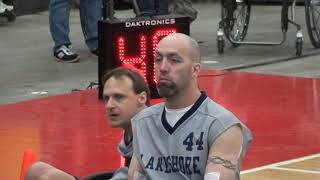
98	176
299	44
83	25
220	42
235	15
312	11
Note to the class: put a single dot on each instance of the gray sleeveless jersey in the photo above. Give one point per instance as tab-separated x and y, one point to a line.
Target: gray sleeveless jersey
181	152
125	150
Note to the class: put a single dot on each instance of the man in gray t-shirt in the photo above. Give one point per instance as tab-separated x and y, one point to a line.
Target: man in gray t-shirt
189	136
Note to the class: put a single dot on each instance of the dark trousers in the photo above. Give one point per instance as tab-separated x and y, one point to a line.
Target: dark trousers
147	7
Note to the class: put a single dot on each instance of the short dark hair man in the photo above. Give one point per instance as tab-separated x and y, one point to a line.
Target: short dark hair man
125	94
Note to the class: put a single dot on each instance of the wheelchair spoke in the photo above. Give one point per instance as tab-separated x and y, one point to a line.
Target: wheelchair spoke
240	22
313	21
316	17
236	17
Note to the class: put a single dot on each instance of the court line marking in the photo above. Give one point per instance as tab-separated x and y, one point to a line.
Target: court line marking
296	170
274	165
210	62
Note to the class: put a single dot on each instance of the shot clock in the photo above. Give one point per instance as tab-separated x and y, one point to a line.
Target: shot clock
133	42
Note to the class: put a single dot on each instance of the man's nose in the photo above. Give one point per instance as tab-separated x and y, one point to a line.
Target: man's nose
109	104
164	65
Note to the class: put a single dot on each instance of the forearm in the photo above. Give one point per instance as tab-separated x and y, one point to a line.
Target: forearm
135	170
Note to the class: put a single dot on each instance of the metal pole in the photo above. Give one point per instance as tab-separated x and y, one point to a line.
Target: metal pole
108	9
136	7
156	7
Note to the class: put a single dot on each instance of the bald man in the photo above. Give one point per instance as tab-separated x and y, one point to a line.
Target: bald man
189	136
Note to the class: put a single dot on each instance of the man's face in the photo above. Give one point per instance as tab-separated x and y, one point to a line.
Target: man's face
173	67
121	102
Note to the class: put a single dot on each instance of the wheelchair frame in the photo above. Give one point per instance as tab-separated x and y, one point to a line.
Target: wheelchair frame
108	11
235	17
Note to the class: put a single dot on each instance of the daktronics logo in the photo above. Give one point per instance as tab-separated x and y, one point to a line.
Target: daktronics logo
150	23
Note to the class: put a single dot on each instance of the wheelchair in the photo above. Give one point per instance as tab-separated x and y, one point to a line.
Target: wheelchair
108	10
235	17
104	175
98	176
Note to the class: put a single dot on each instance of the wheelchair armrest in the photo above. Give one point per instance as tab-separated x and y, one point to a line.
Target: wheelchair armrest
103	175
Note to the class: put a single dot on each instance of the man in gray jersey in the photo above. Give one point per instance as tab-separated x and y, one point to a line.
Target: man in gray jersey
125	94
189	136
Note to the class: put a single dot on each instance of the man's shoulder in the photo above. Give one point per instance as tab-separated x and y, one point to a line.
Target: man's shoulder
217	111
151	111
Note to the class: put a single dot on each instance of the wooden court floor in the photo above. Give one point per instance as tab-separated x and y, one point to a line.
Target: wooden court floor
71	132
307	168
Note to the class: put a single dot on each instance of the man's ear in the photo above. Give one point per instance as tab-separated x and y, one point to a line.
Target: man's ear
196	69
142	98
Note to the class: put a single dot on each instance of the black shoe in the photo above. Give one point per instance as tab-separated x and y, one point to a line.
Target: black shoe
95	52
65	54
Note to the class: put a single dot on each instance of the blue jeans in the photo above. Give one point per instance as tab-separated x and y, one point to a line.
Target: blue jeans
147	7
59	12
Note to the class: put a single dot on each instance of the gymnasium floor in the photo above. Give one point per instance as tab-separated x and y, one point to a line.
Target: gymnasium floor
70	131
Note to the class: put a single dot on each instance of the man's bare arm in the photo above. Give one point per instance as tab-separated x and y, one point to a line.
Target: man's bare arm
136	171
224	155
44	171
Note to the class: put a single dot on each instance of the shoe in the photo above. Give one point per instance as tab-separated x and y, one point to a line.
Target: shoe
65	54
4	7
95	52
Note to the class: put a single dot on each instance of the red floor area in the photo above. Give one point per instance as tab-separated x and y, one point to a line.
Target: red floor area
71	132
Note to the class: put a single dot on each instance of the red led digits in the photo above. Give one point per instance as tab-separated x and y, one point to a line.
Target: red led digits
155	40
139	61
158	35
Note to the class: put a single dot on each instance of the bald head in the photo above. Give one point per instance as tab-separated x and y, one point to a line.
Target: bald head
180	40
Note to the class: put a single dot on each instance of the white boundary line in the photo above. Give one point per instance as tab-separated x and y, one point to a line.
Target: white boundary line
296	170
275	165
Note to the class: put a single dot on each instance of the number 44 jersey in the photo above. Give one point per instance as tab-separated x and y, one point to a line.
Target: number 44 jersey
181	152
